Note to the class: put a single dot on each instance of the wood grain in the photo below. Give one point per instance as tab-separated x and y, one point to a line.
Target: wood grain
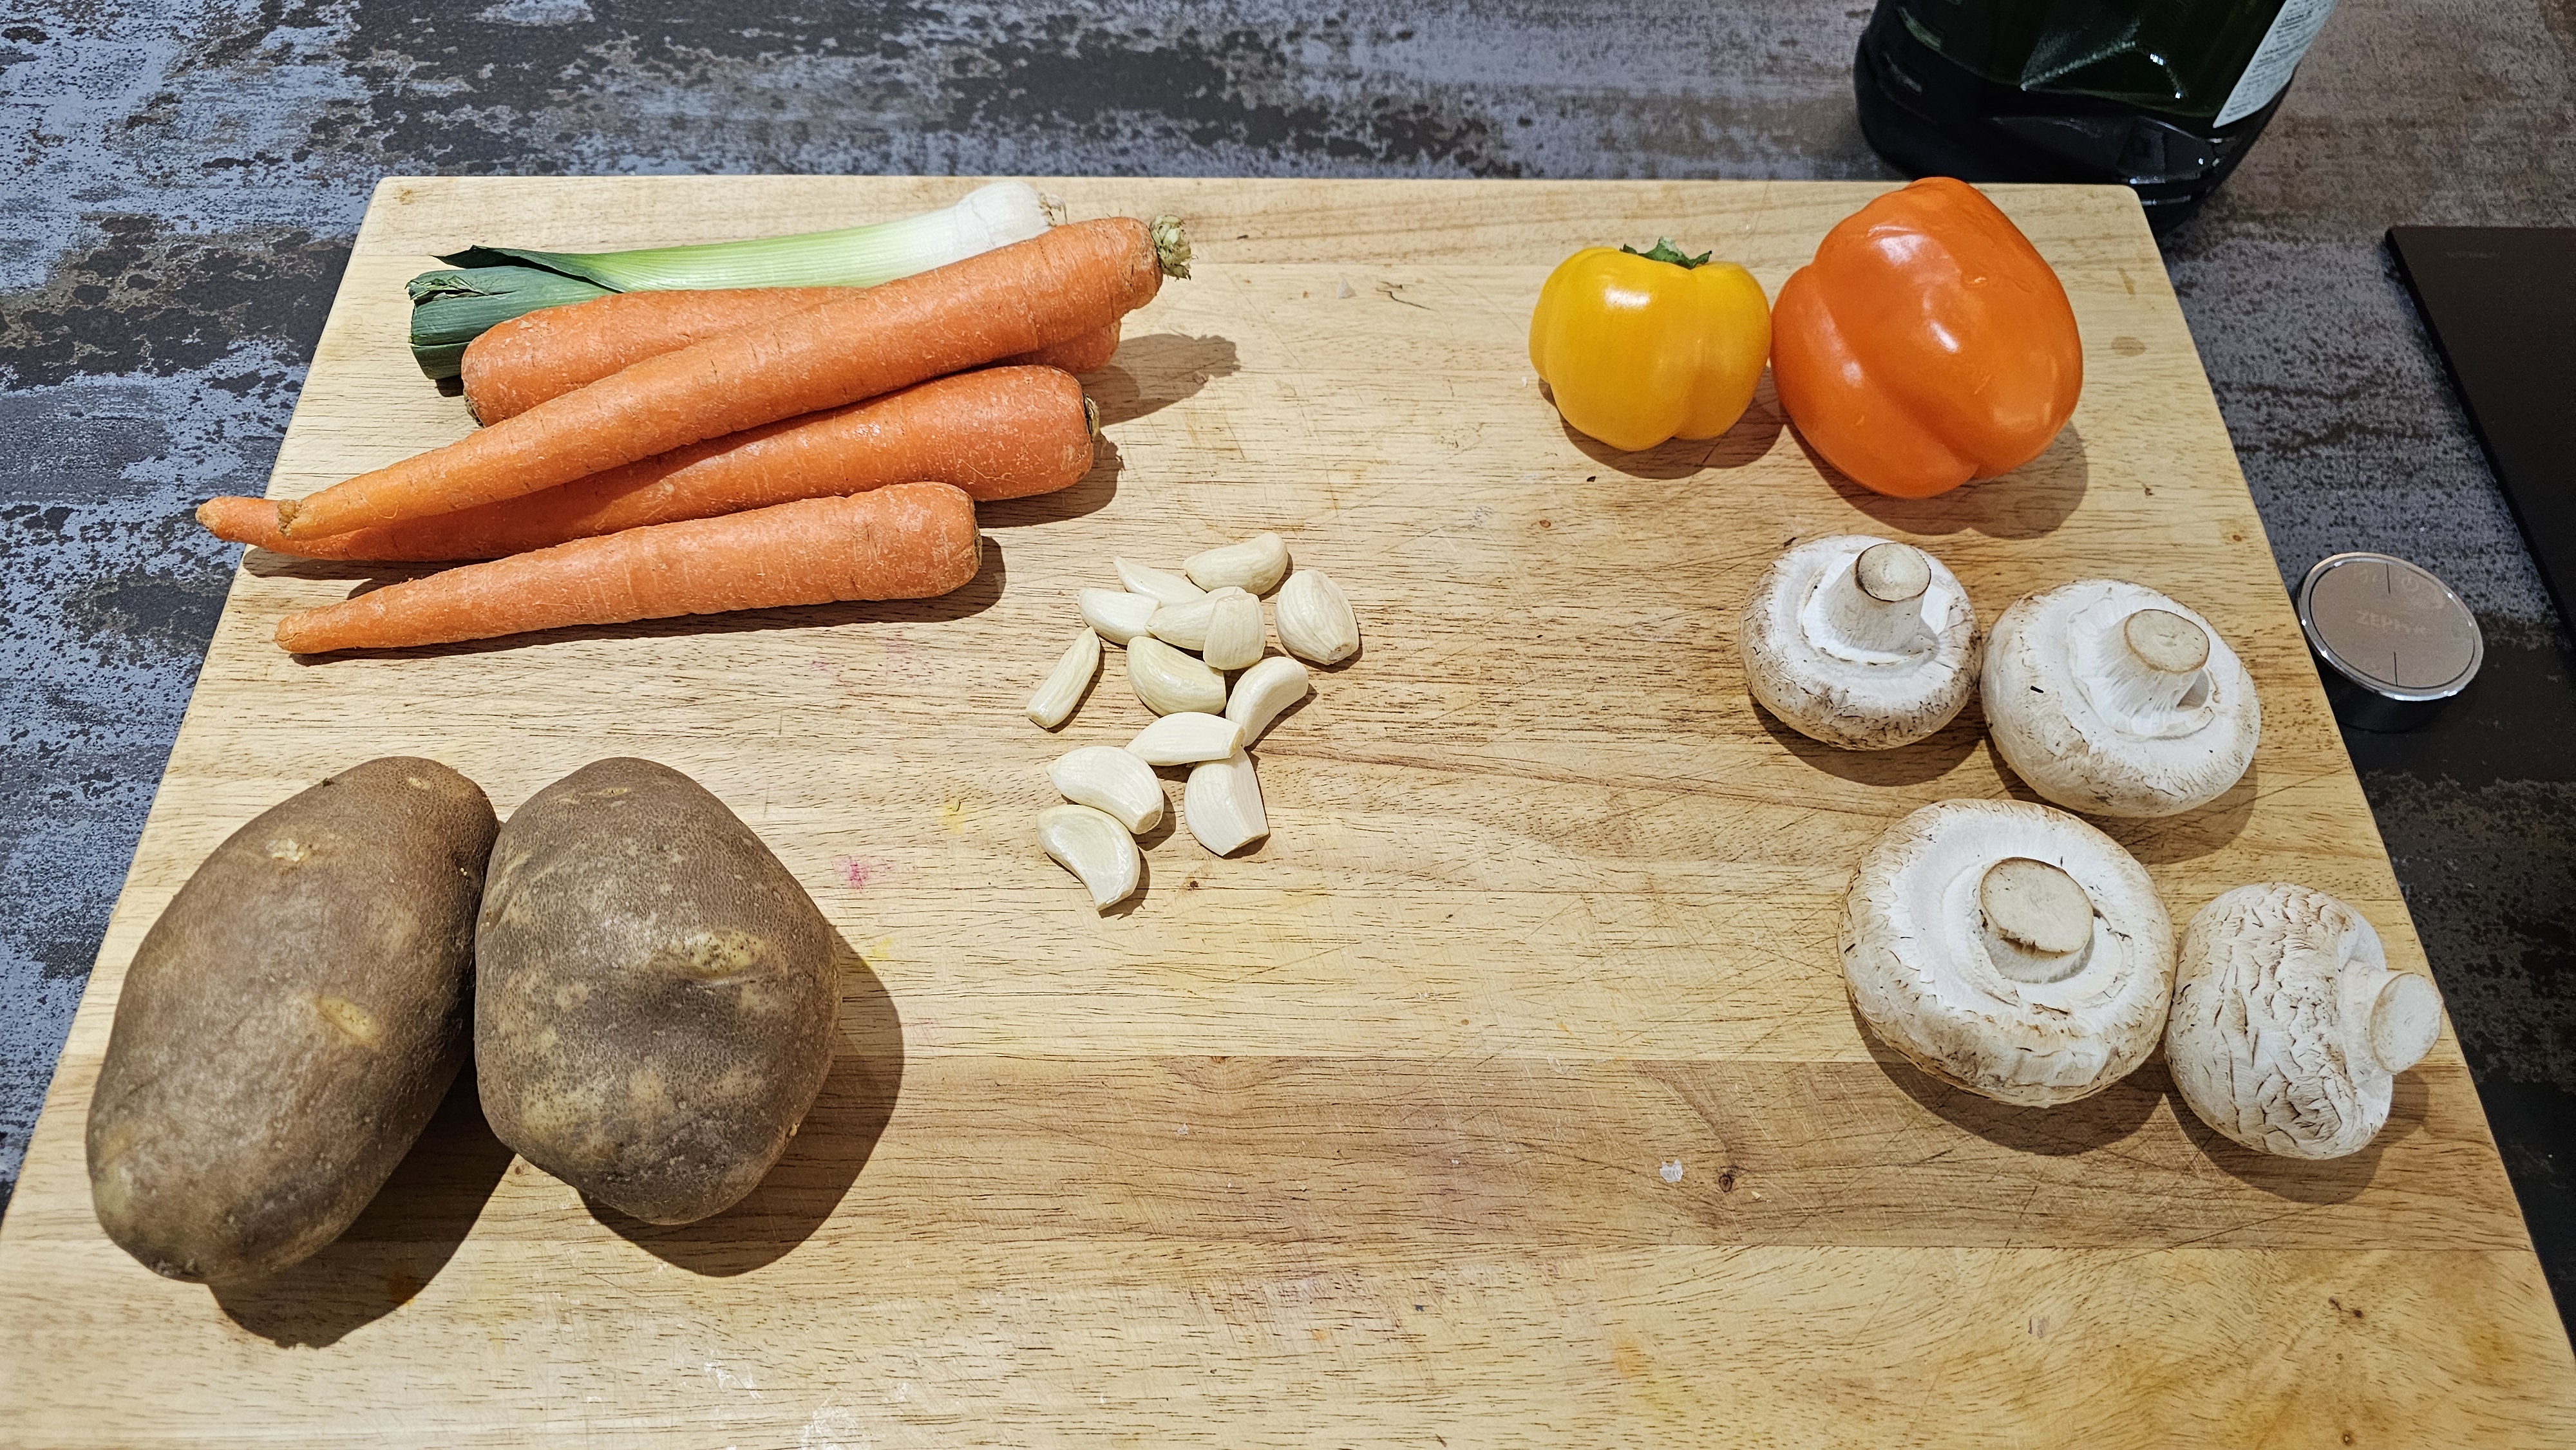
1366	1137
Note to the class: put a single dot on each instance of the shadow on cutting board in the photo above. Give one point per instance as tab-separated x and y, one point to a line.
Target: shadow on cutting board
1749	441
2162	840
2105	1118
2026	503
822	1160
2307	1180
1085	495
1930	758
1151	373
407	1234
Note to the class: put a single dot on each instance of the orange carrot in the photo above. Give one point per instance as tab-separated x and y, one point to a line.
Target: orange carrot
909	541
518	364
548	353
1088	353
1049	289
996	433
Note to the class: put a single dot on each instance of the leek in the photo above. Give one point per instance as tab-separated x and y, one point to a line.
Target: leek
484	286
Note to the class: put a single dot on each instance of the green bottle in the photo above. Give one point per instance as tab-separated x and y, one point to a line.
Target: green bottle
2163	96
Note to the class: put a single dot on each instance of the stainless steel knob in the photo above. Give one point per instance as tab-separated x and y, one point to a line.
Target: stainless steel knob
2392	642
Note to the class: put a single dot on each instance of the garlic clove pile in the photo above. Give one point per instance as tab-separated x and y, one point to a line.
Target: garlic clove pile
1212	607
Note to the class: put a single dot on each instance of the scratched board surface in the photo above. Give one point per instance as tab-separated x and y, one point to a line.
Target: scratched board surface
1506	1095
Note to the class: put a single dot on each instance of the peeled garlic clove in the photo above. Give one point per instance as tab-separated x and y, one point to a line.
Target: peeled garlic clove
1116	615
1233	632
1111	780
1265	690
1222	804
1256	565
1186	623
1315	620
1169	681
1053	704
1186	739
1159	584
1093	847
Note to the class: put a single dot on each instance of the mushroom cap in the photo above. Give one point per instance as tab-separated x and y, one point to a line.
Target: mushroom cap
2050	723
2288	1027
1922	975
1856	699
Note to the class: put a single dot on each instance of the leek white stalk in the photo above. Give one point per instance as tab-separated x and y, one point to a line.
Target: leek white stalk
990	216
488	285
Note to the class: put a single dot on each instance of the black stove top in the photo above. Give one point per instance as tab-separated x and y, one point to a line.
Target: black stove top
2501	304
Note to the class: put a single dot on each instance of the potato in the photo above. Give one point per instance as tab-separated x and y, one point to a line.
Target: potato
654	993
290	1023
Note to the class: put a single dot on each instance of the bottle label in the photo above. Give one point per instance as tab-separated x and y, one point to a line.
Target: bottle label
2293	30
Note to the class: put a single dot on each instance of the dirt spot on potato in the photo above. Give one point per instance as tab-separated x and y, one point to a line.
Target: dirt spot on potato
715	955
353	1021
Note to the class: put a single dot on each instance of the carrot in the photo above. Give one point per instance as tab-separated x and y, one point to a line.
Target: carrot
1050	289
1088	353
996	433
908	541
518	364
547	353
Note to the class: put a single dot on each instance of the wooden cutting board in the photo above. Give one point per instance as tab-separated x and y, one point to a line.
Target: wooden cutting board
1506	1095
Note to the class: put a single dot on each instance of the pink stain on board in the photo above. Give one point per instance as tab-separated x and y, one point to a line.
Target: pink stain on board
856	874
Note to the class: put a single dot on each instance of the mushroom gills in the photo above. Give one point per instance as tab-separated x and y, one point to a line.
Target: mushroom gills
2037	923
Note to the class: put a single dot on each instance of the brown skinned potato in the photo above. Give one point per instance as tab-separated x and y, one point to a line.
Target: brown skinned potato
654	993
290	1023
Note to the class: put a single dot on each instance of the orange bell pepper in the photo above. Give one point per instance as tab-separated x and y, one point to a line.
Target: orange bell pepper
1927	344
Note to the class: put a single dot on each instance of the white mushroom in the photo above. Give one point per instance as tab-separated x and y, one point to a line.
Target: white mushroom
2008	949
2110	698
2288	1028
1858	642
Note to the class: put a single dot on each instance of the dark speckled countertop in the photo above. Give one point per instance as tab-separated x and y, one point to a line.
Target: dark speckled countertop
181	184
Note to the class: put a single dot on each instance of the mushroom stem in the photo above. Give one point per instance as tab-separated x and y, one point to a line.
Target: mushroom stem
2405	1019
2158	667
1874	607
2037	922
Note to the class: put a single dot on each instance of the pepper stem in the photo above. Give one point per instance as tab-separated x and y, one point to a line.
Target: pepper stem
1664	251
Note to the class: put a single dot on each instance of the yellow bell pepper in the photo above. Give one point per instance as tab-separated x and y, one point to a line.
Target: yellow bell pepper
1644	346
